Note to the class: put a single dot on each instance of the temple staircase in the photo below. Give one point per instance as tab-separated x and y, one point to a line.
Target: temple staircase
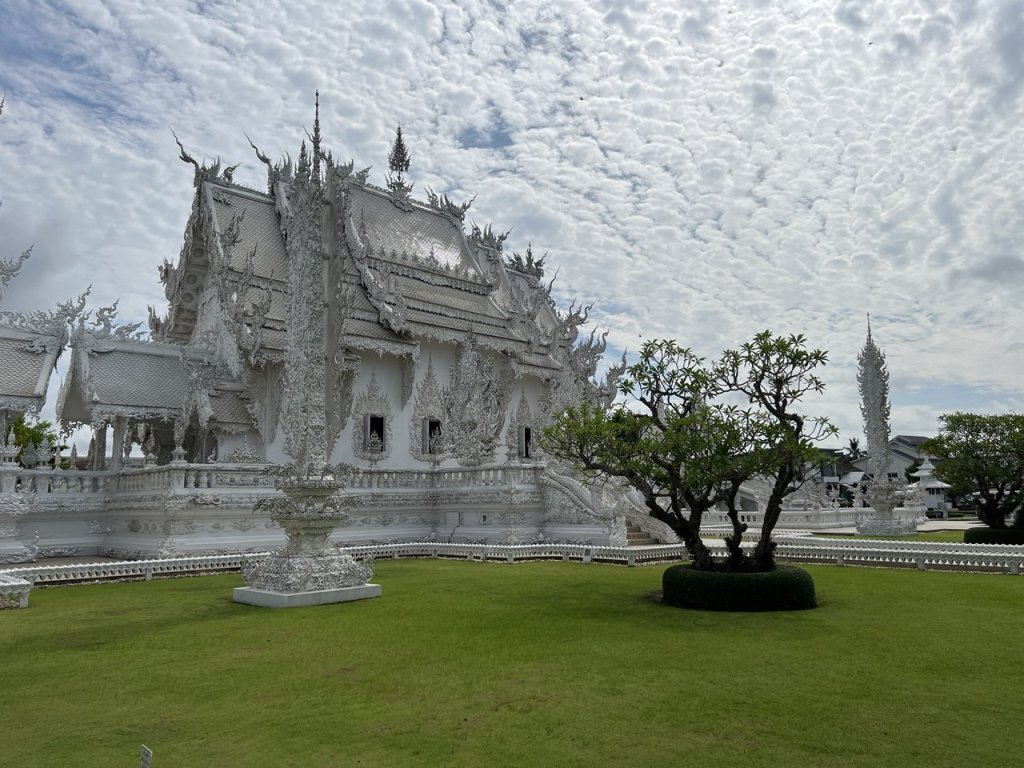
636	537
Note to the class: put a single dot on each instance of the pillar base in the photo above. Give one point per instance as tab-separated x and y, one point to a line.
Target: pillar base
269	598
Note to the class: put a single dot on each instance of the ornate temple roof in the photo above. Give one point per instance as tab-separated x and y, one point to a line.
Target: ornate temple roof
398	272
25	369
416	255
143	380
123	378
417	235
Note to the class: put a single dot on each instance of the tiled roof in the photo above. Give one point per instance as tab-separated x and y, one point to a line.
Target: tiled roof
258	228
371	329
420	233
539	361
229	407
20	368
138	378
131	377
404	239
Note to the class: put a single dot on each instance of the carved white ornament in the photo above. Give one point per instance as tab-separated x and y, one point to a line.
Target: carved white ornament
873	381
475	403
428	406
372	402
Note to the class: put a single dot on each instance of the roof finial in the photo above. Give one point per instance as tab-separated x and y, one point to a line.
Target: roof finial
315	138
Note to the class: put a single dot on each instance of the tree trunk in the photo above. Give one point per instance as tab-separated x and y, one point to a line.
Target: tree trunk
737	560
699	552
991	515
764	552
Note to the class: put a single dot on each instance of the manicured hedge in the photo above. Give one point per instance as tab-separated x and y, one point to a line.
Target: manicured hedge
787	588
994	536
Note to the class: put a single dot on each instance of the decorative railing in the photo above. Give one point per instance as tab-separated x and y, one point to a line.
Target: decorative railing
921	555
206	477
46	481
188	477
462	477
829	517
126	569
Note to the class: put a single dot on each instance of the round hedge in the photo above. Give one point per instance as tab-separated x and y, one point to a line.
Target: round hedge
994	536
787	588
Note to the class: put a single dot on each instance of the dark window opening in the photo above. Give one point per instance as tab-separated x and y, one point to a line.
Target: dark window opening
375	434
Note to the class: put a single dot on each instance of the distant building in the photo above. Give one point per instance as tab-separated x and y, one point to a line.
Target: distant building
904	452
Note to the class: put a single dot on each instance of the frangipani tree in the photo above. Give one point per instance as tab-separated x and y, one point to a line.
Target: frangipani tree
689	434
983	455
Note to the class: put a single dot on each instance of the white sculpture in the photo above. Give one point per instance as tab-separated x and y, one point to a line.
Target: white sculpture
310	570
873	380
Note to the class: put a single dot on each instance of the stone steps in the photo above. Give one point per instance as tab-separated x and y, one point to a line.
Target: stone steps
637	538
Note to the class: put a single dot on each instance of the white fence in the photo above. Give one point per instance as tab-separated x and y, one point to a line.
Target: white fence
791	547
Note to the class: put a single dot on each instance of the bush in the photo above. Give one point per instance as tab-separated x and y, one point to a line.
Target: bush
786	588
994	536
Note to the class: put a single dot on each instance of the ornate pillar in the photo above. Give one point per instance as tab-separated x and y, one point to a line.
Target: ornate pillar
98	460
310	570
116	460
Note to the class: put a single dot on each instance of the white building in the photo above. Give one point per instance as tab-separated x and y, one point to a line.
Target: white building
444	357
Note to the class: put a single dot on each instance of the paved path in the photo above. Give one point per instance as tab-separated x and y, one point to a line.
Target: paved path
930	525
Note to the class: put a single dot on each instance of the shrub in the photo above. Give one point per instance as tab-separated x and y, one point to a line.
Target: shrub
994	536
786	588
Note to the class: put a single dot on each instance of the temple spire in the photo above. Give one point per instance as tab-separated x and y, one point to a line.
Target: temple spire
315	139
398	166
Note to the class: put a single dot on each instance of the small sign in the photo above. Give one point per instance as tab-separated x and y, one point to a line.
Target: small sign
146	757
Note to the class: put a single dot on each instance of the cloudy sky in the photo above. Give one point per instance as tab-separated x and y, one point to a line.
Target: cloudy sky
698	170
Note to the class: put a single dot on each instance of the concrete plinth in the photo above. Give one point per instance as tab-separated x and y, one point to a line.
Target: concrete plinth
895	526
269	598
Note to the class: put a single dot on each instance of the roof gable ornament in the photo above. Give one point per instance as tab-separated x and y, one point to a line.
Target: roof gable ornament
281	171
527	265
205	172
9	269
487	237
51	330
383	292
454	212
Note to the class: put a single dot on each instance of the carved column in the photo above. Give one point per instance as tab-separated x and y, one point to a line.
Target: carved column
309	570
98	460
116	460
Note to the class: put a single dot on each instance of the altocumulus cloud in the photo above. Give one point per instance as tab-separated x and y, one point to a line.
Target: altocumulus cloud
698	172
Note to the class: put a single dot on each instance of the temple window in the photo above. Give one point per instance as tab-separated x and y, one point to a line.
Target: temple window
431	436
525	442
373	429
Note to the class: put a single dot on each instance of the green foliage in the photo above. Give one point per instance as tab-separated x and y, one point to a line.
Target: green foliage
27	434
684	444
787	588
983	455
994	536
853	448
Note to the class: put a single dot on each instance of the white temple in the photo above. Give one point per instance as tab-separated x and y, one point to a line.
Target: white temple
443	357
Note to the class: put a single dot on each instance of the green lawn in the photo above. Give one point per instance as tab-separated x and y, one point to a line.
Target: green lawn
534	664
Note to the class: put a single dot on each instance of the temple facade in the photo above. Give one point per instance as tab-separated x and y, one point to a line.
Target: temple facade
443	358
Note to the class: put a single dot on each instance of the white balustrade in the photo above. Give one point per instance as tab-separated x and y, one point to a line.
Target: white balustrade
945	556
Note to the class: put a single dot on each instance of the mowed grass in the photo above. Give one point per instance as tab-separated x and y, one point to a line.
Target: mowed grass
557	664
